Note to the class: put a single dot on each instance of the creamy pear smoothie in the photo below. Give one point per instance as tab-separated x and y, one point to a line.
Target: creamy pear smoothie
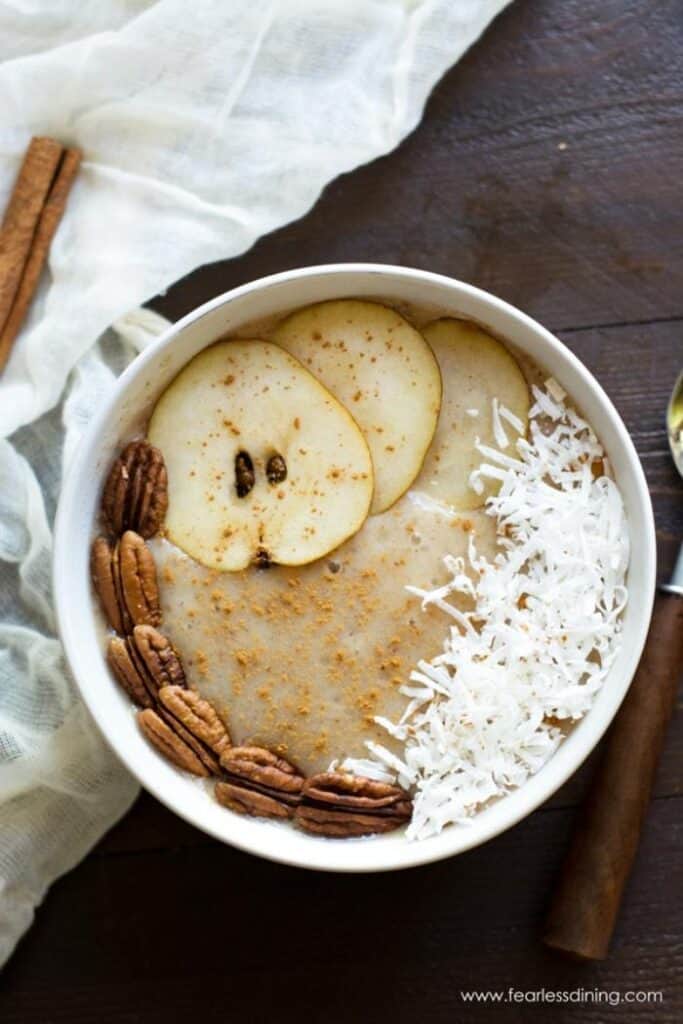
384	574
302	660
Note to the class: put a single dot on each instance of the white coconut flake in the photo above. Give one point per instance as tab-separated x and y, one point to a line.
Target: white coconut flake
475	482
472	412
509	416
541	634
499	434
365	767
555	390
544	404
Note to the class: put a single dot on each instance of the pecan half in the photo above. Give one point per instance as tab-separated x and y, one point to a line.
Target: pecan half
197	715
250	801
206	756
127	672
354	791
135	495
325	821
125	580
139	588
341	805
126	620
169	743
102	574
254	770
143	663
158	657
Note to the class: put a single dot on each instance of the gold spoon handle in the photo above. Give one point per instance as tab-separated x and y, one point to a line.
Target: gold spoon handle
586	903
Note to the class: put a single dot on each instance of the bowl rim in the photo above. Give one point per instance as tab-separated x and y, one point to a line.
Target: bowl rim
330	855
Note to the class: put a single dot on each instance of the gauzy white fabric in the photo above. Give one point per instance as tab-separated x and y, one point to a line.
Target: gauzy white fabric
203	126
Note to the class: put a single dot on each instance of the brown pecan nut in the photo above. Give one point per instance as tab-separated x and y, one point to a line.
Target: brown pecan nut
104	582
143	663
326	821
169	743
158	658
127	671
342	805
126	621
258	770
342	789
135	495
206	756
138	575
197	715
250	801
125	580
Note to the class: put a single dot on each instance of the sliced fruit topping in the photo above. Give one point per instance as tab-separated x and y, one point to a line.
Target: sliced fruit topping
477	369
264	464
383	371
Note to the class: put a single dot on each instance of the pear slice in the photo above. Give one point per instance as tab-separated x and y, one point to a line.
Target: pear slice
383	371
476	368
264	464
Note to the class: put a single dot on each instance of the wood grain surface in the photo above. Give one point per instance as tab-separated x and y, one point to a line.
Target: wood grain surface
548	168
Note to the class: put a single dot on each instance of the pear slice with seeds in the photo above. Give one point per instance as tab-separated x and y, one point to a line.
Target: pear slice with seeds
476	368
381	368
264	464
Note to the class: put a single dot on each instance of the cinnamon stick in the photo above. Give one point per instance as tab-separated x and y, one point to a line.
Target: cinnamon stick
22	215
586	903
33	214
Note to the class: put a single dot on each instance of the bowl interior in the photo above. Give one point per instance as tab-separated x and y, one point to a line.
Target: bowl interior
127	409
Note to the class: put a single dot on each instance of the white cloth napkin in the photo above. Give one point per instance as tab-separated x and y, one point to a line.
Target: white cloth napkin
203	126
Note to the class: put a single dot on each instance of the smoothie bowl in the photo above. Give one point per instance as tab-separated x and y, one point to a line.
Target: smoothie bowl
355	566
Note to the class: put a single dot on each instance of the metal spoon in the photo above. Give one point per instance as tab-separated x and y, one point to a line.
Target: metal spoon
585	905
674	426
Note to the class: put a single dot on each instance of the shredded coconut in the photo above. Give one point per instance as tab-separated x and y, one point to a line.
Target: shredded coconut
532	636
555	390
472	412
514	421
498	428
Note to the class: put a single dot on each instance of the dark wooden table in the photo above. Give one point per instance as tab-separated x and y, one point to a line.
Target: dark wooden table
549	169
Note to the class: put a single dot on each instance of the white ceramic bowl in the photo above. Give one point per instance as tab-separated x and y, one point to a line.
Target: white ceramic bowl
126	407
